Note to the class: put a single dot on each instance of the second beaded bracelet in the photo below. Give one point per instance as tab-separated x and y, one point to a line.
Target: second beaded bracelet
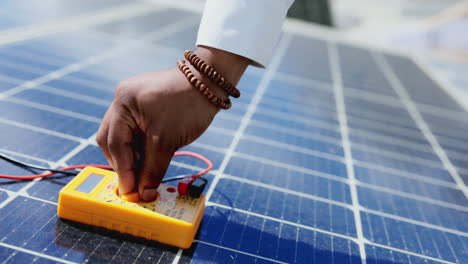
211	73
200	86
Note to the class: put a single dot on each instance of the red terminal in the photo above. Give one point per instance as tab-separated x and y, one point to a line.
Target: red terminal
183	185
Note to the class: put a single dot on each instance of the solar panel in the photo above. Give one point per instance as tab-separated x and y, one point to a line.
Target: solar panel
334	154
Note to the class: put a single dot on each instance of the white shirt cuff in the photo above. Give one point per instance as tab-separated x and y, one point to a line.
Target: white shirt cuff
250	28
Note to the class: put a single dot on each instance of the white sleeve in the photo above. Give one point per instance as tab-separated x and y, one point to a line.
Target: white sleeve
250	28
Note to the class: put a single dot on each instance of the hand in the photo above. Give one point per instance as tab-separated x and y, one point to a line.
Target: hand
152	116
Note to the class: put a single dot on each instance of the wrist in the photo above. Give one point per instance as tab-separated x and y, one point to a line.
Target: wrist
231	66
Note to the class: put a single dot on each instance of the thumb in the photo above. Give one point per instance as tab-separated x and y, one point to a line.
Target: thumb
155	165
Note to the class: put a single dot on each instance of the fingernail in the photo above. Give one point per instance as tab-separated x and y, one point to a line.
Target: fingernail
148	194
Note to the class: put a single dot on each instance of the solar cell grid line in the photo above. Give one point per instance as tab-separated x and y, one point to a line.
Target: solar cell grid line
160	33
439	111
288	166
323	134
320	105
59	163
421	195
42	257
58	73
41	130
393	153
219	149
390	140
437	172
24	88
234	177
17	52
414	222
256	234
370	96
274	219
410	175
363	164
404	68
361	122
416	115
399	119
295	122
73	95
315	122
267	260
453	138
418	197
105	15
305	82
352	76
341	112
458	120
55	109
283	44
398	256
302	110
308	118
284	190
282	120
71	153
362	140
320	149
377	117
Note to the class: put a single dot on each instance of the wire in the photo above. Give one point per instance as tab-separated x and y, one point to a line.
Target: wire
30	166
198	156
174	178
35	176
66	170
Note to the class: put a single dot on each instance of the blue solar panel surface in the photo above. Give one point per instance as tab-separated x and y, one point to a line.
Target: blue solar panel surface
334	154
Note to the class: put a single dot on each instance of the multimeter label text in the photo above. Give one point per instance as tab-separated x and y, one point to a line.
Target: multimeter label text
168	203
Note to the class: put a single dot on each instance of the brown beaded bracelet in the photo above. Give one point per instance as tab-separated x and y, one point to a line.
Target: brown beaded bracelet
210	72
200	86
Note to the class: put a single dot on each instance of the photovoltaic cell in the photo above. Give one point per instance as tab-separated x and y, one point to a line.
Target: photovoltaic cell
367	76
284	187
415	238
290	179
312	64
425	90
409	185
268	238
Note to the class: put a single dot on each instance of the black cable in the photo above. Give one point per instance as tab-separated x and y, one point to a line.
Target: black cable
72	173
174	178
26	165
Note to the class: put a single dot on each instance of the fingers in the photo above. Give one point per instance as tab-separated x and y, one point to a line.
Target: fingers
102	134
119	142
154	167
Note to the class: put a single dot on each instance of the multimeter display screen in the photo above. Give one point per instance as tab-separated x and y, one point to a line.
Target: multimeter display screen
88	185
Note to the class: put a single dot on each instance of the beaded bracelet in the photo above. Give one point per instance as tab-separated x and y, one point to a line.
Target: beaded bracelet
200	86
210	72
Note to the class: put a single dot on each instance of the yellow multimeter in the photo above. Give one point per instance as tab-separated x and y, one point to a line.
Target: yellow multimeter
91	198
